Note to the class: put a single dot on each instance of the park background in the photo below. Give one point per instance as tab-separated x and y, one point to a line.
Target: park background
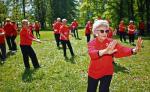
59	75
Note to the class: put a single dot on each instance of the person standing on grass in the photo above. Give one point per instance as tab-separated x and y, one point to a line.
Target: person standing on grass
74	27
131	32
64	37
122	32
101	51
14	35
26	39
88	30
56	27
2	44
37	28
8	28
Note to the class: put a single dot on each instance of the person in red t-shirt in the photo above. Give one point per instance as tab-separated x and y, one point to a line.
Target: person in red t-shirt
8	28
56	27
74	27
131	32
14	35
122	32
141	27
26	39
2	44
88	30
101	51
37	28
64	37
31	27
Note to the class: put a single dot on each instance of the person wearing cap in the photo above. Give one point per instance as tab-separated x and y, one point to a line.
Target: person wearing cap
2	44
74	27
64	37
37	28
26	39
88	30
8	28
14	35
122	32
131	32
56	27
102	50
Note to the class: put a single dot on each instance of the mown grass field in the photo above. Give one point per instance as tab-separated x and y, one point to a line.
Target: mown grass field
132	74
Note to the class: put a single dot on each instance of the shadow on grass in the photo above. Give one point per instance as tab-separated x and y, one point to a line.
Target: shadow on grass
27	75
119	68
71	60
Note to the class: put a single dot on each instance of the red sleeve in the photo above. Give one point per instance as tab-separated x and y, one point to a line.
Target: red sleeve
93	53
122	51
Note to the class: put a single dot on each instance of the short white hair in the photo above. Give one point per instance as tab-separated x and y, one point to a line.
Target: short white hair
58	19
99	23
64	20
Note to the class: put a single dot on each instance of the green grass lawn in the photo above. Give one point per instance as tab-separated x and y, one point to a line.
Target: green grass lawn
132	74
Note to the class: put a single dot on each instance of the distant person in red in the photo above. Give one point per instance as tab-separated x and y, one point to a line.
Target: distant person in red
64	37
131	32
74	27
14	35
8	28
88	30
101	51
56	27
110	34
31	26
26	39
122	32
2	44
141	27
37	28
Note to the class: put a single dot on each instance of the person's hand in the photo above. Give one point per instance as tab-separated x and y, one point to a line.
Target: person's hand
139	44
37	40
111	47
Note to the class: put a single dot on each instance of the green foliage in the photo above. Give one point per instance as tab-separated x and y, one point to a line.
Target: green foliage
3	11
59	75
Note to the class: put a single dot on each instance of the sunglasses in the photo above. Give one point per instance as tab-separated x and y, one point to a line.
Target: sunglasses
102	31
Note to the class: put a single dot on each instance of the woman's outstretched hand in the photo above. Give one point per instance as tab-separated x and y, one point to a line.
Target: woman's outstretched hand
111	47
139	44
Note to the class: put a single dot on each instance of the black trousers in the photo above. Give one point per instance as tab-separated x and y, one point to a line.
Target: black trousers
75	31
88	36
141	32
64	43
122	36
9	42
14	45
27	52
3	51
131	38
37	33
104	84
57	39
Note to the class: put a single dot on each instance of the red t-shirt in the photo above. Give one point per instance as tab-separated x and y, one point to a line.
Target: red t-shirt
64	32
121	27
141	25
2	37
8	28
14	32
26	37
37	26
131	29
56	27
88	28
74	24
101	66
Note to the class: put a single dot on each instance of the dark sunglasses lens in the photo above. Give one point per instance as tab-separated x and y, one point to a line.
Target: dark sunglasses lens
102	31
107	31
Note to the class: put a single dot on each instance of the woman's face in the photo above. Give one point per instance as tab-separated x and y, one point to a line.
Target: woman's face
102	32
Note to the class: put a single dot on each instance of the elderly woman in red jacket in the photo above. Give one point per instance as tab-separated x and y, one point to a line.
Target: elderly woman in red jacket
101	51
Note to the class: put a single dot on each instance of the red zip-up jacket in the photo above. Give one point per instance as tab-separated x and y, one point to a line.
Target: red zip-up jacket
8	28
64	32
26	37
2	37
56	27
131	29
101	66
88	28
